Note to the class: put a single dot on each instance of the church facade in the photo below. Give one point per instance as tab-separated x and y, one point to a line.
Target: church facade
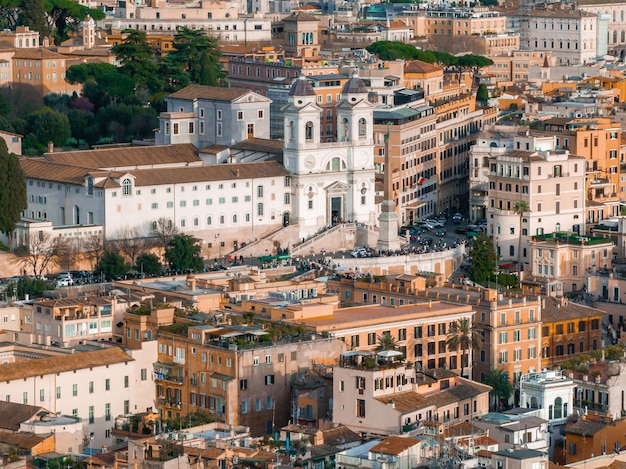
331	182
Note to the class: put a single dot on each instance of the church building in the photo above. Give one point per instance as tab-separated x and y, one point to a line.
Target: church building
331	182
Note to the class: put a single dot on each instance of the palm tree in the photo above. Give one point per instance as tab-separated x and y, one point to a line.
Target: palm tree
500	385
386	342
521	207
466	336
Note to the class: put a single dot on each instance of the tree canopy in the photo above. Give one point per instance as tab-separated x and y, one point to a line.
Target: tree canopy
112	265
183	253
392	50
13	197
483	259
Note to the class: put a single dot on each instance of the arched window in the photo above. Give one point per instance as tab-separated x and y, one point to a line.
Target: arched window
511	250
235	218
126	187
89	186
196	221
533	403
558	408
170	223
623	36
292	133
336	164
621	14
222	219
308	131
362	127
154	225
183	222
209	221
247	218
346	128
614	36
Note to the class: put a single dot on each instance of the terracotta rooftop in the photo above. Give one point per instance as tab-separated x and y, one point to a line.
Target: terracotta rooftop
406	401
340	435
63	363
553	310
22	440
13	414
220	172
260	144
213	93
417	66
38	168
124	157
37	54
394	445
378	314
301	16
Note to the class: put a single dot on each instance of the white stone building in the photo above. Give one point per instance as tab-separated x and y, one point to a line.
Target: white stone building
551	393
331	181
572	36
94	386
207	115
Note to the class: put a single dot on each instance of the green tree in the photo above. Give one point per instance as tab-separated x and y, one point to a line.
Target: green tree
520	208
47	125
183	253
198	55
137	58
483	259
148	263
112	265
500	385
482	95
13	198
465	336
386	342
473	63
34	16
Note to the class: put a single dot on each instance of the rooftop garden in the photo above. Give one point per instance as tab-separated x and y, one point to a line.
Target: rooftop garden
564	237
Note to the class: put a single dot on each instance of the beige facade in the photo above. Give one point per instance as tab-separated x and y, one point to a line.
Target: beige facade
43	71
240	375
388	397
464	22
559	260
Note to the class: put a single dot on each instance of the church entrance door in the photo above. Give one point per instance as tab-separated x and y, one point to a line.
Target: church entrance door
336	209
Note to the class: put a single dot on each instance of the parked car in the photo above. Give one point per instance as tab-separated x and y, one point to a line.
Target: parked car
359	252
435	223
64	282
424	225
440	233
457	218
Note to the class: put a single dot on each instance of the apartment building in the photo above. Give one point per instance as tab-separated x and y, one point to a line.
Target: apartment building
239	373
516	66
590	436
599	388
43	71
563	262
420	329
454	22
381	396
410	135
67	321
598	140
94	385
568	329
219	19
551	183
573	36
614	27
509	325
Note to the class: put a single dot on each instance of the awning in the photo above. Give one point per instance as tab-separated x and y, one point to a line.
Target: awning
416	204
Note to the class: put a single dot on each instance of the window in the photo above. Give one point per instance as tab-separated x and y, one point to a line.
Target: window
243	384
107	384
269	379
360	408
126	187
107	411
91	414
239	115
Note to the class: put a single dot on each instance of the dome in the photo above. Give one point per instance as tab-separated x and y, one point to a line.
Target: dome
301	87
354	85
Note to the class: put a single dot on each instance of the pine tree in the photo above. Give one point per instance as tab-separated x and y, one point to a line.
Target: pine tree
13	199
34	16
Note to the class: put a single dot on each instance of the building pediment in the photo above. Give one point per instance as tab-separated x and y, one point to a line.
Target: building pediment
337	187
359	104
310	107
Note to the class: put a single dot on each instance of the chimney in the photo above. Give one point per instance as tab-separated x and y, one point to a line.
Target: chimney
50	147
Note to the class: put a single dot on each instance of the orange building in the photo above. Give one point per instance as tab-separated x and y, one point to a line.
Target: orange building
568	329
592	436
598	141
43	71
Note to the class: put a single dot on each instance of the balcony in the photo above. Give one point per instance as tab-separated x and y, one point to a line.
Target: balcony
170	402
597	182
168	372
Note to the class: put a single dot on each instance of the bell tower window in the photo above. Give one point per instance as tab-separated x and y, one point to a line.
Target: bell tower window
308	131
